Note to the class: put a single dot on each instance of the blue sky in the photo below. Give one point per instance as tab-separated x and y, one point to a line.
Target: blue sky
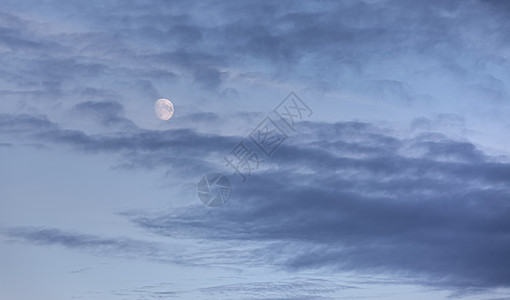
395	187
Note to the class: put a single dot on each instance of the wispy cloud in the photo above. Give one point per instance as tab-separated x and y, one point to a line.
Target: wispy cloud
122	247
296	288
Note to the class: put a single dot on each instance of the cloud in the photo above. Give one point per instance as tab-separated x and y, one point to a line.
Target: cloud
346	197
178	150
295	288
108	113
390	49
78	271
123	247
15	124
208	77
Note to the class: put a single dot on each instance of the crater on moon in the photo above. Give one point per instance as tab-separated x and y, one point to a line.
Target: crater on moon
164	109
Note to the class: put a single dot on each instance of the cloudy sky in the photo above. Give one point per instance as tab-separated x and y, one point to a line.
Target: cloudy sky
383	171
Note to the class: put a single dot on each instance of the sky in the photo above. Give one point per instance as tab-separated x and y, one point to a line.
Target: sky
362	146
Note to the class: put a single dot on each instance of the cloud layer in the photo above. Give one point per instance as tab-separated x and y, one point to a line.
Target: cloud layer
417	205
347	196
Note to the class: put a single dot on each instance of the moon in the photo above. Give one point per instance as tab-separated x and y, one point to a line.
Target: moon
164	109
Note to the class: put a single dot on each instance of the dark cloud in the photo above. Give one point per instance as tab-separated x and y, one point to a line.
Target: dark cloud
108	113
201	117
352	200
175	149
208	77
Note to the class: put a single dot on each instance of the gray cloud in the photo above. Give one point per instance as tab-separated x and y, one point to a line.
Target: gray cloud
175	149
123	247
438	216
319	42
343	196
24	123
340	197
108	113
208	77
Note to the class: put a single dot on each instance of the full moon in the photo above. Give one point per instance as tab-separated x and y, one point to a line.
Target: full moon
164	109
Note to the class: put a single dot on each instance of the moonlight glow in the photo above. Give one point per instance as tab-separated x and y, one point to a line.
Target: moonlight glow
164	109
